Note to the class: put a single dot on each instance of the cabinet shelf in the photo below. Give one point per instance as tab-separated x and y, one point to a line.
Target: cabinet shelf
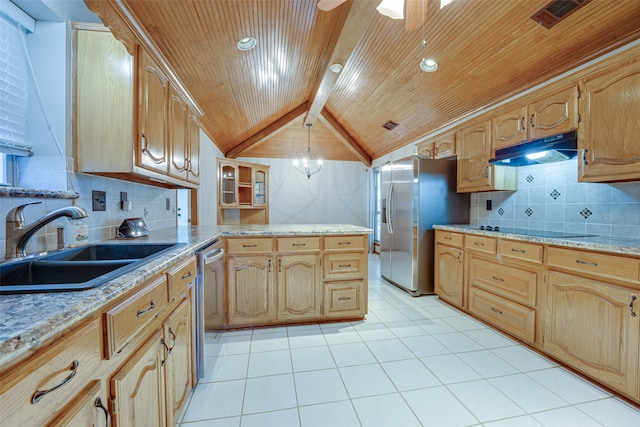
243	193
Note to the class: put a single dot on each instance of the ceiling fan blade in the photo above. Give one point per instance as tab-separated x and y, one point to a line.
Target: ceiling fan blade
327	5
415	14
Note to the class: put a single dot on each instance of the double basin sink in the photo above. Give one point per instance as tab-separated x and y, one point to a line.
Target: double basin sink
77	268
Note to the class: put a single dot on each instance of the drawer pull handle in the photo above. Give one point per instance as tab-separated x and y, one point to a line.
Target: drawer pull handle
495	310
98	404
592	264
497	279
298	244
344	243
173	338
447	238
250	246
344	265
151	307
478	244
168	352
39	394
184	276
520	251
344	298
633	298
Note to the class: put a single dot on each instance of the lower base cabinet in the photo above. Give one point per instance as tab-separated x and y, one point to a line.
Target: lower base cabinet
137	389
88	408
343	299
177	361
589	325
251	290
449	274
299	287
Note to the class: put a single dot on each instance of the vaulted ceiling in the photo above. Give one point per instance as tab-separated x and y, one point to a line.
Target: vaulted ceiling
256	102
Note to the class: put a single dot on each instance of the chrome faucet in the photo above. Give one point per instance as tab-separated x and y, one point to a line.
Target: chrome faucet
18	234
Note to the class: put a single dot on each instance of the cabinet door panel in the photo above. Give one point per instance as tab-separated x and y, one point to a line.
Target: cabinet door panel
474	149
251	290
137	390
177	368
610	129
299	292
449	282
178	164
88	408
555	113
510	128
153	92
588	324
193	146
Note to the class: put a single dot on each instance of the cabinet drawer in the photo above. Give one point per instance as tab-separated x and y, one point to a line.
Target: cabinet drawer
344	243
249	246
521	251
609	266
298	244
179	277
343	299
449	238
344	266
481	243
514	283
51	377
124	321
509	316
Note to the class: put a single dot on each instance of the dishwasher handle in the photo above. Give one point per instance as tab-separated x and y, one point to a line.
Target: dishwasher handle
213	256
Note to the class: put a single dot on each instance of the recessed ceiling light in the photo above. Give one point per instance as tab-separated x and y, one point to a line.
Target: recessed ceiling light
247	43
428	65
336	68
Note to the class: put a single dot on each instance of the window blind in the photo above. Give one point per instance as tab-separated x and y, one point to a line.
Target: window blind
13	89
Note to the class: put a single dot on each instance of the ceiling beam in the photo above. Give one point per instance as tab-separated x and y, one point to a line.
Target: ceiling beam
344	137
273	129
355	16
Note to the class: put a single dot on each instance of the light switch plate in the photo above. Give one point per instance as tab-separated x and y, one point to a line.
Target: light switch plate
99	200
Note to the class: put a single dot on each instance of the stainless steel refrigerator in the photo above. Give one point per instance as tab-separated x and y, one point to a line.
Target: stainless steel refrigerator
417	193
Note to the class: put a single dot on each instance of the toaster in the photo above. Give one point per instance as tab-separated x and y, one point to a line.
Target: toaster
133	227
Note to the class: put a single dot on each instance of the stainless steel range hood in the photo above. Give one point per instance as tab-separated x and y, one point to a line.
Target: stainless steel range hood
551	149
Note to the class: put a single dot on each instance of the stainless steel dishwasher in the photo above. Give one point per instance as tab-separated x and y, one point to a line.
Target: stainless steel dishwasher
209	295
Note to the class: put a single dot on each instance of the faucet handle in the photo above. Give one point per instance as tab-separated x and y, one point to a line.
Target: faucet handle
15	214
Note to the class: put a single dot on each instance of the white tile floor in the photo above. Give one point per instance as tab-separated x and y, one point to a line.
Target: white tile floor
412	362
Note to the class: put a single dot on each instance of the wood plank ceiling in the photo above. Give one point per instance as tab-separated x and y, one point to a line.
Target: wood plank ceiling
255	102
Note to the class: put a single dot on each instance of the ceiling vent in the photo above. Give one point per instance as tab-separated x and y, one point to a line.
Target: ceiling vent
390	125
556	11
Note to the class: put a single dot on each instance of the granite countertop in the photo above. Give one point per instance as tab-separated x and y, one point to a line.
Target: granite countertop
28	320
618	245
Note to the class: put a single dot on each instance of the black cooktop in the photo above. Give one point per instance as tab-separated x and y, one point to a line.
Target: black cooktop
535	233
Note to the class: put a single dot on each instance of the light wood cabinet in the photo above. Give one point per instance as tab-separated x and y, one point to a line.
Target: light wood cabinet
251	290
439	147
129	122
344	299
474	171
177	363
608	135
449	274
138	388
243	192
299	287
545	115
88	408
589	325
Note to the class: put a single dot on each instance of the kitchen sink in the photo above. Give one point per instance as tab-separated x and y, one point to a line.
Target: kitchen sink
76	269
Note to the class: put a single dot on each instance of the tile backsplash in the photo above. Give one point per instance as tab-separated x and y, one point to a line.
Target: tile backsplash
549	197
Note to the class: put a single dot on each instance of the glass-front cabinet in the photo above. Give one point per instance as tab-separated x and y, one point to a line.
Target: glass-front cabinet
243	192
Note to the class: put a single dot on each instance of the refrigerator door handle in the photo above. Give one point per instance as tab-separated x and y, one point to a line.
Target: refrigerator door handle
390	209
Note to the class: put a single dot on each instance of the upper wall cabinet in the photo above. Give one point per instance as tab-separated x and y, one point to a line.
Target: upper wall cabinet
150	136
243	192
439	147
474	171
551	114
608	135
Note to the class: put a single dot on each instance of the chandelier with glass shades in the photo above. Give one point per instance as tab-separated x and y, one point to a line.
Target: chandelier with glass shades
308	165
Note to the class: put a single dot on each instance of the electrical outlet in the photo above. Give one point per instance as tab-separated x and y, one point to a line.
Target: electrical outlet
168	204
99	200
489	205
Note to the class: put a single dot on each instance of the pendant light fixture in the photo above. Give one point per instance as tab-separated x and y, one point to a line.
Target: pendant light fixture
308	165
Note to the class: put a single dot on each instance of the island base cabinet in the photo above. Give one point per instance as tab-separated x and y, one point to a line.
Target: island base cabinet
251	291
590	326
137	389
344	299
299	287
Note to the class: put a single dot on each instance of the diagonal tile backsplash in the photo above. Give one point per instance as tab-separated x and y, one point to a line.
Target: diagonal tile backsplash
549	197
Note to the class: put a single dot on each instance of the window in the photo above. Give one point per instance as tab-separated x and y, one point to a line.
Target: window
13	98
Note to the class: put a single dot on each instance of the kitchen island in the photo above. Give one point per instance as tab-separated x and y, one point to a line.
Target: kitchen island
139	328
576	299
